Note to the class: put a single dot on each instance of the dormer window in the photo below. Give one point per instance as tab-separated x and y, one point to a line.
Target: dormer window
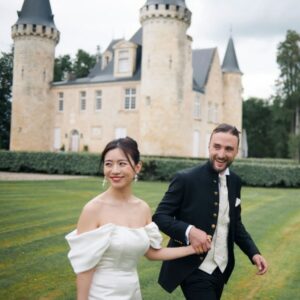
106	58
123	63
125	55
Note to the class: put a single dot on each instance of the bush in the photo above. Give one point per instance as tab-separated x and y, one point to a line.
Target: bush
50	162
253	172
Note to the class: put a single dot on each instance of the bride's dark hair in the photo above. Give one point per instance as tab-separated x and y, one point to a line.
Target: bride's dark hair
128	145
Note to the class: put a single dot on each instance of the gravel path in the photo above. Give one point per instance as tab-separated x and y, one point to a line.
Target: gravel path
10	176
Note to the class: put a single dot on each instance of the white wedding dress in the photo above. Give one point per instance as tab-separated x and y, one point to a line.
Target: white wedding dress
114	252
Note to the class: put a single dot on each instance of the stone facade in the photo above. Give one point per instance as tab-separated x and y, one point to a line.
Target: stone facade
154	88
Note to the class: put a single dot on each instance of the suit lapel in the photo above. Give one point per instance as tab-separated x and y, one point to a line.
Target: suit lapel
231	194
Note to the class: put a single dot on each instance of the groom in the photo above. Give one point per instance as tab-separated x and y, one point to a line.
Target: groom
202	207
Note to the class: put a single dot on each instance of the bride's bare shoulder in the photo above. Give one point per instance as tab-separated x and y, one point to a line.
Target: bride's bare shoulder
95	203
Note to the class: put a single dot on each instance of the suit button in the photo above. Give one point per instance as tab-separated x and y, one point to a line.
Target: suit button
201	257
215	181
216	193
215	215
213	226
216	203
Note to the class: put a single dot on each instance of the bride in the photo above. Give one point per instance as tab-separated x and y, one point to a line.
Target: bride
114	230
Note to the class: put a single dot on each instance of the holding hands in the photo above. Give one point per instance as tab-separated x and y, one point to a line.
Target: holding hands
200	240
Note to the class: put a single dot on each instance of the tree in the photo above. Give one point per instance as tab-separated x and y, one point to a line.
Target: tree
256	120
6	75
62	65
288	59
83	63
279	127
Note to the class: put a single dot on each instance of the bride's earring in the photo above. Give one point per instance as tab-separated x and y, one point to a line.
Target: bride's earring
104	182
136	178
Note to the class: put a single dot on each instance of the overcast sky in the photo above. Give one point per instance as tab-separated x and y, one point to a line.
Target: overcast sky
257	27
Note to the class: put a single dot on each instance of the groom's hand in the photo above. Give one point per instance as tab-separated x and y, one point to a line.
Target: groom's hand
200	240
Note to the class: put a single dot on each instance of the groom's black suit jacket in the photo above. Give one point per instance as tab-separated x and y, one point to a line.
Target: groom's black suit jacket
193	199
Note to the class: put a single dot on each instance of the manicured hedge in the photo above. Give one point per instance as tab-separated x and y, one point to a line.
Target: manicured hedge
50	162
254	172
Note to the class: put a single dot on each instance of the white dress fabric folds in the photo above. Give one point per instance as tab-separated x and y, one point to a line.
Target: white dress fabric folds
114	252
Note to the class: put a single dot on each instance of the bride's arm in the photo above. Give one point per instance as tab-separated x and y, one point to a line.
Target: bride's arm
169	253
166	253
87	221
83	282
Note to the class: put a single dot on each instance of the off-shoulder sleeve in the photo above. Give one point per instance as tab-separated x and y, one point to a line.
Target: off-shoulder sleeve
154	235
86	249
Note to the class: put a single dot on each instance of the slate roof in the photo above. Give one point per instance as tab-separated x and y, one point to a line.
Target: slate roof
201	62
36	12
230	62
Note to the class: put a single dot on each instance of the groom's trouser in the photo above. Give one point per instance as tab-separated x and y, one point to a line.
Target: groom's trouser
203	286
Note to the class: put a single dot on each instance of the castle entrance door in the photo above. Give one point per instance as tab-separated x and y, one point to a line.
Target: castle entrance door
74	141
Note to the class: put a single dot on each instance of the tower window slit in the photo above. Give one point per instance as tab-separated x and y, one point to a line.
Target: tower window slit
34	27
167	6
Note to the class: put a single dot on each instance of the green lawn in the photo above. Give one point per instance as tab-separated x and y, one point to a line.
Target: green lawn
36	215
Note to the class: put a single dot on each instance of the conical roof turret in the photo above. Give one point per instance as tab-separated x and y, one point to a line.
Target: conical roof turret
36	12
230	62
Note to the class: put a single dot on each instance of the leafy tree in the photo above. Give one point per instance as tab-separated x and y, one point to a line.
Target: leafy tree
6	74
256	120
83	63
279	127
288	59
62	65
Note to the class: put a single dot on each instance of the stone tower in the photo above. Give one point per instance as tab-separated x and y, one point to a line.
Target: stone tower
166	82
35	37
232	83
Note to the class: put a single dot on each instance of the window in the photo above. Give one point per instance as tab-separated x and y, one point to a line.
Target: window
196	143
82	101
123	65
61	101
120	133
197	107
216	113
57	139
207	144
98	100
210	112
130	99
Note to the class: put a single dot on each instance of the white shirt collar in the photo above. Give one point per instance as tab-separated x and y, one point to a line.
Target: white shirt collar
226	172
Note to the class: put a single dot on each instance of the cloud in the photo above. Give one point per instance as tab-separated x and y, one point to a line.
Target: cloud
257	28
260	18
